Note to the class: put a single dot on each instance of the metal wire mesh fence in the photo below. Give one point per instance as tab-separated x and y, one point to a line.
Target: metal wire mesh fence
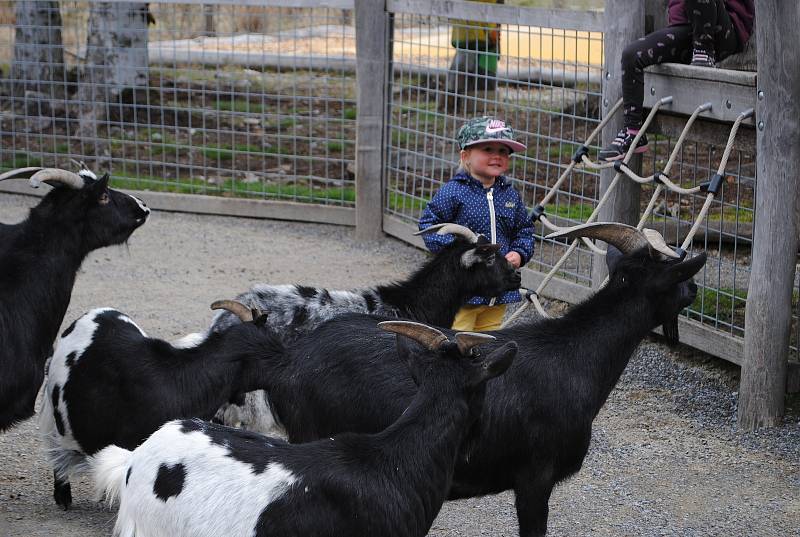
546	82
248	100
257	99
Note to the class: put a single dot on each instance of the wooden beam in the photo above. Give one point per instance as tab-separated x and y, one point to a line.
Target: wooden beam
373	62
195	203
768	314
624	23
588	20
729	92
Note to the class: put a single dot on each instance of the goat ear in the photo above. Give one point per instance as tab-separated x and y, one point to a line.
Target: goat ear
409	356
479	254
613	255
497	362
681	271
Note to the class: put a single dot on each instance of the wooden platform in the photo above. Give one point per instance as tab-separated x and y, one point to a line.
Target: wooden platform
729	92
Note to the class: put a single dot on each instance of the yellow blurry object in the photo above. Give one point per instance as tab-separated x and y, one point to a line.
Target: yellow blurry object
483	37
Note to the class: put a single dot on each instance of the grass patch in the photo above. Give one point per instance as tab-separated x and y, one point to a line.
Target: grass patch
301	194
400	138
732	214
20	160
335	147
403	202
575	211
723	304
349	113
62	149
239	105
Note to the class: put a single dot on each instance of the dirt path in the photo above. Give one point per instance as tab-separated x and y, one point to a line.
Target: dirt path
665	459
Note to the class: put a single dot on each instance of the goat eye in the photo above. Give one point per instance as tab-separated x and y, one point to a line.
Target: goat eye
103	199
622	279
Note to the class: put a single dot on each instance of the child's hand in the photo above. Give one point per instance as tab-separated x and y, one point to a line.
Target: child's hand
514	258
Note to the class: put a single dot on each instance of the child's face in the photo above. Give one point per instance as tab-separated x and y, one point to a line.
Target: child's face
488	160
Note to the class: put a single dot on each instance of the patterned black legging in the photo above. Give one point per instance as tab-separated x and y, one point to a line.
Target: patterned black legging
710	28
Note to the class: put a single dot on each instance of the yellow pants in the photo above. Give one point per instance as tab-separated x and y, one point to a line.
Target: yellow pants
479	318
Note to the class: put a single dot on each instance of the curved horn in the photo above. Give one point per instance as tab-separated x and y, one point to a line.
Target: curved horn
21	173
626	238
237	308
467	340
455	229
55	176
430	337
658	243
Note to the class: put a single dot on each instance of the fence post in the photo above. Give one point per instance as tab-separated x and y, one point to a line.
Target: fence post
624	22
768	314
373	59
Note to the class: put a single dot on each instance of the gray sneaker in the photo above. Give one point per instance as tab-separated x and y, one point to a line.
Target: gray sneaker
619	147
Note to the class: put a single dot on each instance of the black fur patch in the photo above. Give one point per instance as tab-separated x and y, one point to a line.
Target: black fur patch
128	475
169	481
300	316
69	329
371	302
325	298
244	446
71	358
56	412
306	292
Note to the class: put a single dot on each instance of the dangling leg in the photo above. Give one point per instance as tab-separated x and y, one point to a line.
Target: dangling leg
672	44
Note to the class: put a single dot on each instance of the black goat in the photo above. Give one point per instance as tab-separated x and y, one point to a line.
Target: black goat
536	425
39	259
469	266
111	384
195	479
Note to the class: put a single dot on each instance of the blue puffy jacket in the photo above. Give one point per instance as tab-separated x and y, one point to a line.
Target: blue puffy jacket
497	213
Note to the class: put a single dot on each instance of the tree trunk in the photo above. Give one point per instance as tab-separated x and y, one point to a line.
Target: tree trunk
38	66
116	60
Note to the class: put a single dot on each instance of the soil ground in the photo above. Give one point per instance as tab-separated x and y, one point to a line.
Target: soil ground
665	459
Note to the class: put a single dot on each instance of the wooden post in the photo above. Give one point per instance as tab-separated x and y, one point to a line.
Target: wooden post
373	62
655	14
775	231
624	23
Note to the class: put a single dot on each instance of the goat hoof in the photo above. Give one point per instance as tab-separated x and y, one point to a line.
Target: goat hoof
62	494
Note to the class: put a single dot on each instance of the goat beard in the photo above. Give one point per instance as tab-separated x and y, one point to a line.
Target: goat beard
670	330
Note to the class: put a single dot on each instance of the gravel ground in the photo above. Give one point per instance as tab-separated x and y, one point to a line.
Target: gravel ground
665	459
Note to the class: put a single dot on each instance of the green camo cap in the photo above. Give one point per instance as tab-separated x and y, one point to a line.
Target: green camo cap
487	129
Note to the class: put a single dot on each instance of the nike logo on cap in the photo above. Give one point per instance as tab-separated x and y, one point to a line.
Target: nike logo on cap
496	126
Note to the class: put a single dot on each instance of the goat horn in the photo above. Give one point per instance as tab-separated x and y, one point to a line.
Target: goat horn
467	340
56	175
626	238
21	173
428	336
455	229
237	308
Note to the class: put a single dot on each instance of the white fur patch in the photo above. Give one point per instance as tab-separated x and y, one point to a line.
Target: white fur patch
220	495
64	453
189	340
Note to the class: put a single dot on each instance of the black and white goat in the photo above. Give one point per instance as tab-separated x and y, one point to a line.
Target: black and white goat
109	383
469	266
536	424
197	479
39	259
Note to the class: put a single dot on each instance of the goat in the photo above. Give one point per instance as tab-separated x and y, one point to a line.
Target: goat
39	260
536	425
197	479
109	383
469	266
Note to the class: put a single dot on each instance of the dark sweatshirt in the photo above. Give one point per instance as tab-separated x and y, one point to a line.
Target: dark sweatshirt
740	11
